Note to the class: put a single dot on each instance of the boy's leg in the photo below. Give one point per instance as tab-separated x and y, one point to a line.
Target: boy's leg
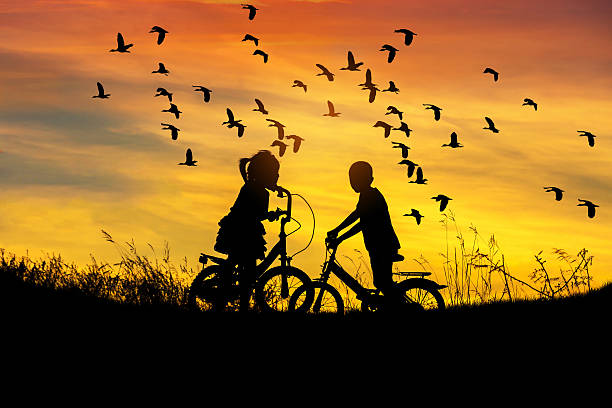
382	273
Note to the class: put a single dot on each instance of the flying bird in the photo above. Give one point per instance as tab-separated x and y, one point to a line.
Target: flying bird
101	93
173	109
435	109
392	110
174	130
416	214
443	200
332	112
299	84
279	126
372	94
189	159
206	92
392	88
392	51
260	107
419	177
558	192
231	122
161	70
352	66
164	92
591	137
453	142
530	102
408	37
410	167
161	33
297	142
252	10
384	125
121	45
249	37
404	128
590	206
326	72
281	147
398	145
263	54
493	72
491	127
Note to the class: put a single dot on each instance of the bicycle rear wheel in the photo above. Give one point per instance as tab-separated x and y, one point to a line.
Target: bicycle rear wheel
416	291
206	292
270	293
325	299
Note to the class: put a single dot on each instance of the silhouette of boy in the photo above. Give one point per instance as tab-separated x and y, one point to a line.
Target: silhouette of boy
375	224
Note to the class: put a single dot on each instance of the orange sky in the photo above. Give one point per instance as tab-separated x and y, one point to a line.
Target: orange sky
72	165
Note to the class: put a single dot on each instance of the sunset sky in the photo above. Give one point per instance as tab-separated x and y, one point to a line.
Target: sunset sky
71	165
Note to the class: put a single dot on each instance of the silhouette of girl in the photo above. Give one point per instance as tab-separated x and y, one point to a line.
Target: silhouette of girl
241	231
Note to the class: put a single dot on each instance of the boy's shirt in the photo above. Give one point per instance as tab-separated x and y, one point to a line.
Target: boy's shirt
378	234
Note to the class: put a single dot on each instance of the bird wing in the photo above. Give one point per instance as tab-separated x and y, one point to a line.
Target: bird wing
230	115
490	122
330	106
240	130
120	41
161	36
368	76
437	114
259	104
419	173
453	138
351	59
325	70
188	156
100	89
252	11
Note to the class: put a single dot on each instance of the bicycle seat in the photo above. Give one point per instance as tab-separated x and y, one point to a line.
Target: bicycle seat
419	274
398	258
204	258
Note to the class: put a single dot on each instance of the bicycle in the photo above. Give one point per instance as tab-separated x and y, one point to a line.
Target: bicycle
212	289
318	296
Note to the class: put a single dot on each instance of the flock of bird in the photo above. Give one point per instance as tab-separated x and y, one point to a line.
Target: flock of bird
281	140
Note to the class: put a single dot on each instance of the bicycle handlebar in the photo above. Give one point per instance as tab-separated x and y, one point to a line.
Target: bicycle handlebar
281	193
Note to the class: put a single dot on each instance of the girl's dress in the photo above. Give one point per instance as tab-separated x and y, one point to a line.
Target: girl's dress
241	231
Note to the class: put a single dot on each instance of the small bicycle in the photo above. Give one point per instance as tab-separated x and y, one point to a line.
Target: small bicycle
318	296
212	289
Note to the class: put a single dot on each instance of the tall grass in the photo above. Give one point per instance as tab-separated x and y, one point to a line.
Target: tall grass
475	271
136	279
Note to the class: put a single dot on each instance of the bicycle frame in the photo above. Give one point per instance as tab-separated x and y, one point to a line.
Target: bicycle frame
331	266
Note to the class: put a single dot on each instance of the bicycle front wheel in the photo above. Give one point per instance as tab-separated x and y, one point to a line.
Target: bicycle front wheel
415	291
325	299
275	287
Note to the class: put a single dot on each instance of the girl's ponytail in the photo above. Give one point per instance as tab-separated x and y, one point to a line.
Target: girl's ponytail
242	167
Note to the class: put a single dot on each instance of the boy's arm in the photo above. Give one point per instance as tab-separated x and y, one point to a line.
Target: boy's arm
351	218
355	229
